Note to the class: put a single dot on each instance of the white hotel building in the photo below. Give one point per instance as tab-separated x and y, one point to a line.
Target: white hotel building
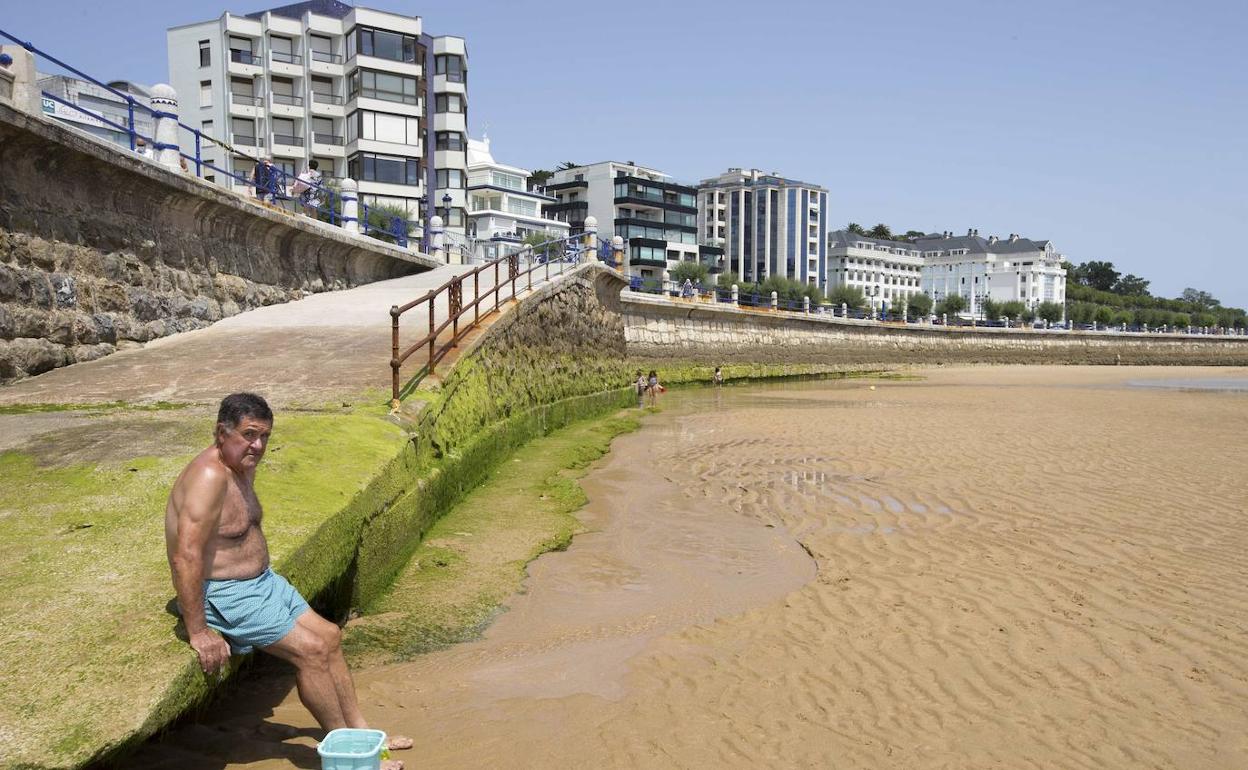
942	264
366	93
887	272
1014	268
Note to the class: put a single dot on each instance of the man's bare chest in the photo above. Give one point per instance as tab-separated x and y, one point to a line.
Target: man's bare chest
240	513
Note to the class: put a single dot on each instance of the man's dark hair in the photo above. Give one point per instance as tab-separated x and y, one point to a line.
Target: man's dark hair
313	164
236	406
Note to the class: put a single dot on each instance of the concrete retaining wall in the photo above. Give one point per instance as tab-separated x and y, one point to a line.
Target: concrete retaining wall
100	249
665	330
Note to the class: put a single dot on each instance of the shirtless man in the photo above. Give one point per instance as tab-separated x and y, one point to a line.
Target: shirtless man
229	599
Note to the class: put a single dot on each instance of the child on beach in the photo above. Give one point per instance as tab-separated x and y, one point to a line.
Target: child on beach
719	377
653	387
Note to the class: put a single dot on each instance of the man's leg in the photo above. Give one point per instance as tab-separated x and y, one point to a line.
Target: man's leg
314	646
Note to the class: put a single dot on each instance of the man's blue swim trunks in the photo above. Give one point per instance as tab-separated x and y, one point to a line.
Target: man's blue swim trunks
252	613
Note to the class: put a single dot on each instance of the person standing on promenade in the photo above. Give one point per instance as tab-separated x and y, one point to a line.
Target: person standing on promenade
653	387
640	385
308	189
229	598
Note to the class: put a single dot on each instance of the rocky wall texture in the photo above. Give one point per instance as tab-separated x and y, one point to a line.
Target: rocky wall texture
661	330
100	249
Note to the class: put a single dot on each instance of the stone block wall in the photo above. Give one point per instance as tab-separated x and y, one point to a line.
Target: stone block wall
100	249
659	330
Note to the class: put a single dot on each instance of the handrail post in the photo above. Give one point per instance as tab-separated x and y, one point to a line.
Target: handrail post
476	296
199	161
432	340
130	111
394	357
497	288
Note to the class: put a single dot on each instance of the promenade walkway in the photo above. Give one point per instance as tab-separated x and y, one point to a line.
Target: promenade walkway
302	352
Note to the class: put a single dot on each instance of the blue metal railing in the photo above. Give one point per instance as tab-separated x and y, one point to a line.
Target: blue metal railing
275	183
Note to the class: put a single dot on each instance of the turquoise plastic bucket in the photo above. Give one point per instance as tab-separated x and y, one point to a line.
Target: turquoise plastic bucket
351	749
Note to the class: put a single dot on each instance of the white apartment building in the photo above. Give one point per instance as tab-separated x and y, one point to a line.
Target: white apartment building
99	101
766	225
1014	268
656	217
887	272
366	93
502	211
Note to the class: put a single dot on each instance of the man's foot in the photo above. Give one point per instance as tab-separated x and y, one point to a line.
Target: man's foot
399	742
392	764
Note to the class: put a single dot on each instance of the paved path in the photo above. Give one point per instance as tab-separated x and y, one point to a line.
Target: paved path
316	349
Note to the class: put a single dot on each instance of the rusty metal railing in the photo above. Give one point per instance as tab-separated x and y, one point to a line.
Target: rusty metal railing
549	259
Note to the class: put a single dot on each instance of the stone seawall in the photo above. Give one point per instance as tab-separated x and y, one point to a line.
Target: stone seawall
695	333
100	249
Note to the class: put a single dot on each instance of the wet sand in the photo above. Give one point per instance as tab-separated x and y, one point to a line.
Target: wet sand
994	567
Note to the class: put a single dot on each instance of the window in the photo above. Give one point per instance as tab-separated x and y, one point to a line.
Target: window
385	86
449	140
507	181
451	66
522	207
282	49
384	127
451	178
206	128
382	44
449	103
390	169
205	93
322	48
205	53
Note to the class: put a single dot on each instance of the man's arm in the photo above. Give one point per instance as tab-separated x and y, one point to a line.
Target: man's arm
198	517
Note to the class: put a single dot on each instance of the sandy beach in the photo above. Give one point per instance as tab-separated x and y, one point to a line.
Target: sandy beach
996	567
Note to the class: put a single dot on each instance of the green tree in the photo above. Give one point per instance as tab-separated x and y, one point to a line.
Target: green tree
1104	314
727	279
1204	319
920	306
951	305
693	271
538	178
1050	311
1099	275
1029	315
1013	309
882	232
1122	317
567	164
1200	300
851	296
990	308
384	218
855	228
1131	285
1182	320
912	234
540	244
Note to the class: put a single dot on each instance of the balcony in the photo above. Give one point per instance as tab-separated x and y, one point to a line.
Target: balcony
286	58
246	99
320	98
333	139
287	140
243	140
288	99
246	105
328	58
245	63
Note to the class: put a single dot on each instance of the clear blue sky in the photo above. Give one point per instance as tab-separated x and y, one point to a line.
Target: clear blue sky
1119	130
